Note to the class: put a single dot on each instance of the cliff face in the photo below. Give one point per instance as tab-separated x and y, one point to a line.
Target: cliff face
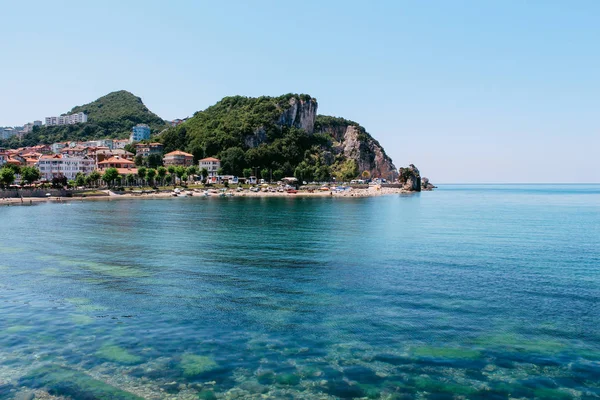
352	140
301	114
410	178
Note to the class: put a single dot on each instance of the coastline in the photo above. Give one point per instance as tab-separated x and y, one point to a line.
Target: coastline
370	192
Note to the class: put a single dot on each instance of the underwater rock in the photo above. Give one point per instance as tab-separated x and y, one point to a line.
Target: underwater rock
63	381
193	364
287	379
118	355
207	395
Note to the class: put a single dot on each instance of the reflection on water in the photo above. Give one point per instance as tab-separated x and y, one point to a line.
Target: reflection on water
438	295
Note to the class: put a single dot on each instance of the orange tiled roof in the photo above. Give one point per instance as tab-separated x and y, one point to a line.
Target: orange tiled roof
210	159
116	160
179	153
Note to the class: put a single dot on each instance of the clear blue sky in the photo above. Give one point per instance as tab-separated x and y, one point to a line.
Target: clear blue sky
469	91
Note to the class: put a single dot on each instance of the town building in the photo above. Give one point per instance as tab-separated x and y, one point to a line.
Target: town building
120	143
7	133
146	149
211	164
68	119
178	158
51	166
123	166
31	159
139	132
78	151
3	158
105	153
57	147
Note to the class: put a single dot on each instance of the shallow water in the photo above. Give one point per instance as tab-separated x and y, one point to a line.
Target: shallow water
473	291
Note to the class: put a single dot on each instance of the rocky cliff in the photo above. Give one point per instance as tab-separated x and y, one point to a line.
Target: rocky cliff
353	141
283	136
301	114
410	178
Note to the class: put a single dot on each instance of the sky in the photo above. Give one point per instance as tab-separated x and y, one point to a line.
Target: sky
468	91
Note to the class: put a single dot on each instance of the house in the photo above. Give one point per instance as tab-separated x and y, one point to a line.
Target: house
78	151
55	165
31	159
211	164
120	143
178	158
252	180
145	149
102	154
123	165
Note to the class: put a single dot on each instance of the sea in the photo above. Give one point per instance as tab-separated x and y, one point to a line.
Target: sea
465	292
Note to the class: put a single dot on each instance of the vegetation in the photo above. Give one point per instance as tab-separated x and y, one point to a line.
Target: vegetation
7	177
248	137
70	383
111	116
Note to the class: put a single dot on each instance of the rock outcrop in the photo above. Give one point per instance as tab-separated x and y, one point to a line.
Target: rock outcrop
426	185
410	178
302	114
353	141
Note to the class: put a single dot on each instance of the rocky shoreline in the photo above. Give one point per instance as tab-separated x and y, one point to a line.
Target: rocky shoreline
372	191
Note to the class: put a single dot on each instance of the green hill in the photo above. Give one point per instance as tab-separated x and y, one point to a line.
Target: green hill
111	116
279	135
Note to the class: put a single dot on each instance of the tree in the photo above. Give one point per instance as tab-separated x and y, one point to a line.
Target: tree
30	174
161	172
180	171
7	176
142	173
154	160
130	179
204	173
265	174
277	174
110	175
184	177
247	172
139	160
150	174
59	181
168	179
80	179
366	174
233	160
192	170
130	147
14	167
95	177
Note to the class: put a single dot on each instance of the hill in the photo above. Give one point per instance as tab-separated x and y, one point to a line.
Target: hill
280	135
111	116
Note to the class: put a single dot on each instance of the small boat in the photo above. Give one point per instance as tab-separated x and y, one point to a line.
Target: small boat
222	194
206	193
229	194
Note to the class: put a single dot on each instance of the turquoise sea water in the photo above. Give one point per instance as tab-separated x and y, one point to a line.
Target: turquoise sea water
483	292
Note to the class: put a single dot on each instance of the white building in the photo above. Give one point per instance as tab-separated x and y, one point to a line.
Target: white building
69	119
69	166
211	164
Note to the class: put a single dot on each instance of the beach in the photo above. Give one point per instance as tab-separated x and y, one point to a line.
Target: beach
110	195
